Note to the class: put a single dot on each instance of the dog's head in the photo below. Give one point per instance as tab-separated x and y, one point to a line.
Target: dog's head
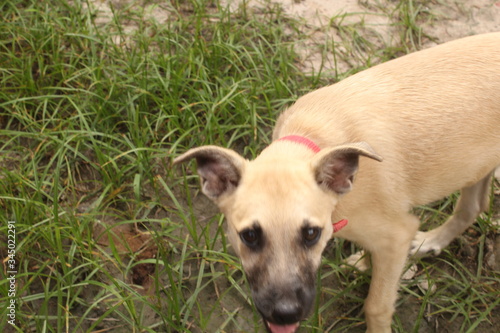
279	210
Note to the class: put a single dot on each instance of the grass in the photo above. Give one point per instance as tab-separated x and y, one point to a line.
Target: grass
109	238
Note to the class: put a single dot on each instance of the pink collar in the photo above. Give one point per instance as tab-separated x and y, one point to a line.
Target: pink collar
302	140
337	226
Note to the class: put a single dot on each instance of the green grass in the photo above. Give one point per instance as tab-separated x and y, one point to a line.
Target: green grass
111	238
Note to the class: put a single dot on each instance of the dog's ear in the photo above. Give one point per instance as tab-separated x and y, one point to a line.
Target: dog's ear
220	169
334	168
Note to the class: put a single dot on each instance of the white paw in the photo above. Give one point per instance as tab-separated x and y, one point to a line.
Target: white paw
358	260
427	243
410	273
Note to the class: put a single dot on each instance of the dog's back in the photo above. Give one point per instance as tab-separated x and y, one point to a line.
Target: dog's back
433	115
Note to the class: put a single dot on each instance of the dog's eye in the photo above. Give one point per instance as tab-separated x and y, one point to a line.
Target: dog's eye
311	235
251	237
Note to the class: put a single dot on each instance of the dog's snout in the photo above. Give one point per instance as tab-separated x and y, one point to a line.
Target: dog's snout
287	313
285	307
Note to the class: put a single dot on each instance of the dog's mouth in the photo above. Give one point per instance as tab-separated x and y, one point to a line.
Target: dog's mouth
275	328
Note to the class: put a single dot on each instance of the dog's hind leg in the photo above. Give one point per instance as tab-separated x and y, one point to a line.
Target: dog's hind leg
473	200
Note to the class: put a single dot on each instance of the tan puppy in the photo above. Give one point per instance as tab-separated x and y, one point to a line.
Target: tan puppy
434	117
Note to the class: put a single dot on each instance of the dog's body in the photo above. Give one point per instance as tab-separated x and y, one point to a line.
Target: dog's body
434	118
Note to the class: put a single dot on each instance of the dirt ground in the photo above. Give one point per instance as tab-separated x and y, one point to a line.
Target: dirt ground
442	21
377	20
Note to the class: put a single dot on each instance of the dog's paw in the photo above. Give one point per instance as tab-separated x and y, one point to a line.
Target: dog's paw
358	260
426	244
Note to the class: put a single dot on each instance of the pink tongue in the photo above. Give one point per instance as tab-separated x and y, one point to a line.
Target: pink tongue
283	328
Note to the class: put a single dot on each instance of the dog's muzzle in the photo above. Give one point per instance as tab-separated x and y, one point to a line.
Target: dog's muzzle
282	311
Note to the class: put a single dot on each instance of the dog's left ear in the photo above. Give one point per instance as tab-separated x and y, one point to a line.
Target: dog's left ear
220	169
334	168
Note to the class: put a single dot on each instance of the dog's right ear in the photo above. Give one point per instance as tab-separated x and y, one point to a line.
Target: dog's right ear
220	169
335	168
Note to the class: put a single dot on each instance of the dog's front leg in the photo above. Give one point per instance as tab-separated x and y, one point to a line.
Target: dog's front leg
379	305
388	254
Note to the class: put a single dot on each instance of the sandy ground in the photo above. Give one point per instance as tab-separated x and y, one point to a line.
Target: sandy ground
442	21
376	21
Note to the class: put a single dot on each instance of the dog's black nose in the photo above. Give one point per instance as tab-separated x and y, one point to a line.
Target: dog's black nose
286	313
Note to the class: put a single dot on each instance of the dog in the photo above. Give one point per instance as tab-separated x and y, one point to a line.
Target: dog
351	160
